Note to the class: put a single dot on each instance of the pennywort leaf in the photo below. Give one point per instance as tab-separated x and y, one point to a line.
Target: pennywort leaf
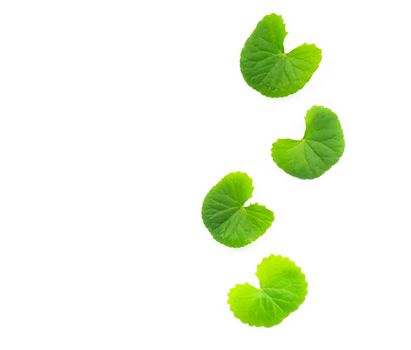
321	147
265	66
225	216
282	290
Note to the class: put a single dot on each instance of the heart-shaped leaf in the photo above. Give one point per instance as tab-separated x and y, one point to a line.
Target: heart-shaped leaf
321	147
282	290
225	216
265	66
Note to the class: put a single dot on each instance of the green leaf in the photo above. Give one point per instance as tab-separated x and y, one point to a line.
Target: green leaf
282	290
321	147
226	217
265	66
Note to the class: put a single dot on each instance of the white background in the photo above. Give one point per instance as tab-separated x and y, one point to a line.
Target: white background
117	117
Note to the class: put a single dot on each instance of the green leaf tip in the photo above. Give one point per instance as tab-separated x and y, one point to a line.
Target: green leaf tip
265	66
225	216
283	289
321	147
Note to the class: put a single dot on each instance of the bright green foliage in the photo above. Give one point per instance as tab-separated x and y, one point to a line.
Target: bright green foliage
225	216
265	66
282	290
321	147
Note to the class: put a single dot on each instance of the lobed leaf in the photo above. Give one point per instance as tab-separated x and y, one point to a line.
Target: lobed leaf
265	66
225	216
321	147
283	289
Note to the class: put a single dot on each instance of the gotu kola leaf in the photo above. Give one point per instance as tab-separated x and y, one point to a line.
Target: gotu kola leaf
321	147
282	290
225	216
265	66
